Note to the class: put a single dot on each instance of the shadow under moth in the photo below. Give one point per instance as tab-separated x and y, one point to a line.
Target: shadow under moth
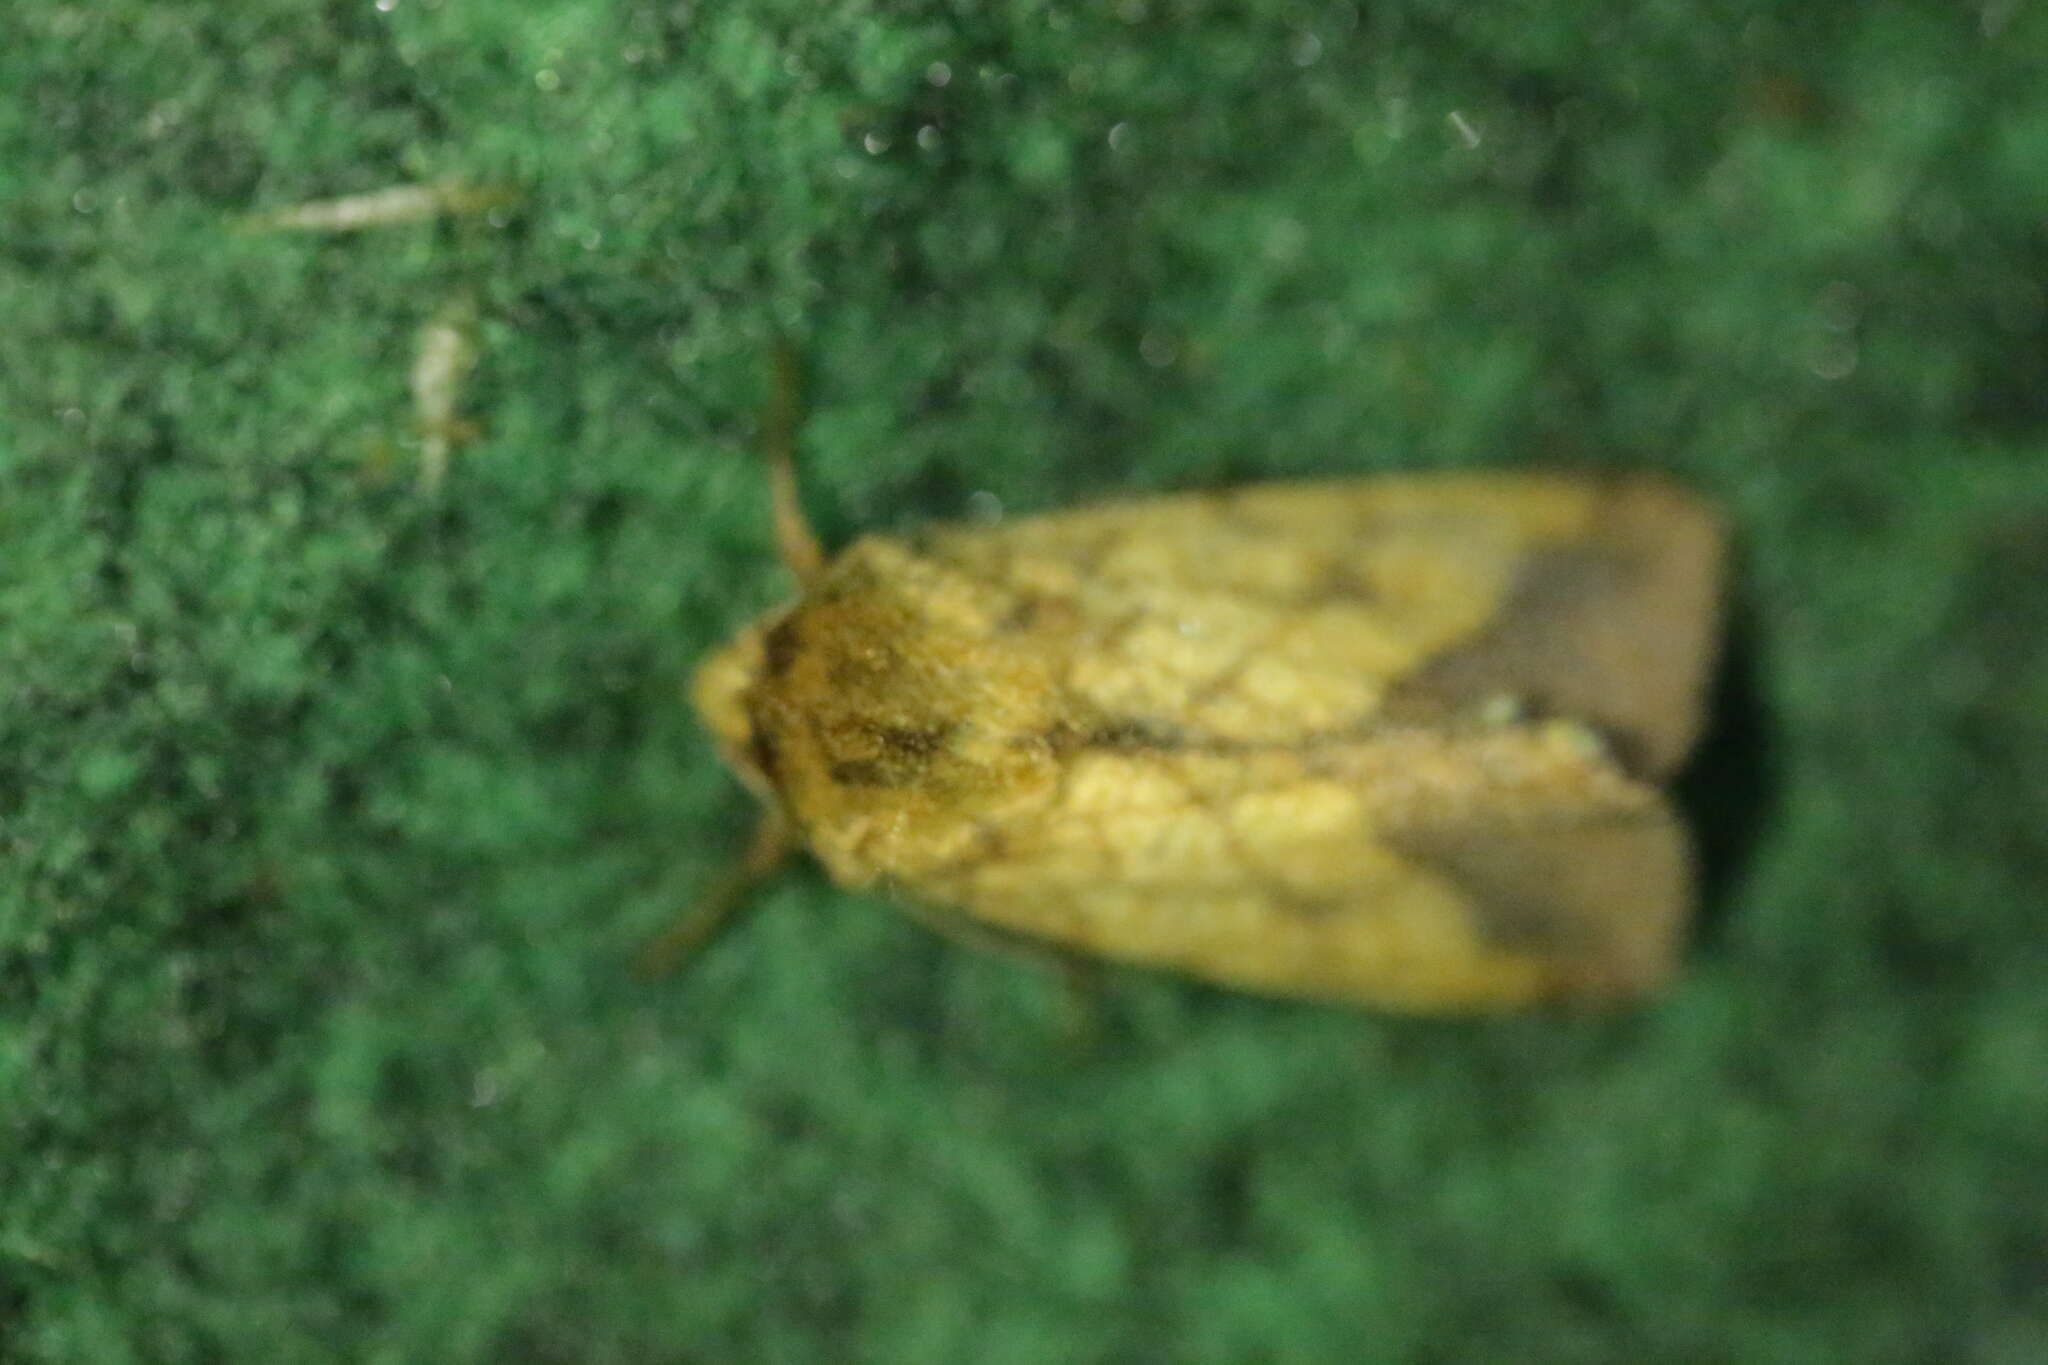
1395	741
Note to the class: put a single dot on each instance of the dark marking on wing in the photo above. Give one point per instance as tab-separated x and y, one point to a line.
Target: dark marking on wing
1604	898
1133	732
1128	734
1617	630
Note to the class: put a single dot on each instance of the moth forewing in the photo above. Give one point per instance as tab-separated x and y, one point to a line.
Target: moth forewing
1393	741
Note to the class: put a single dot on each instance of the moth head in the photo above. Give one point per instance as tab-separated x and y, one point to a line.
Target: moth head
871	706
719	691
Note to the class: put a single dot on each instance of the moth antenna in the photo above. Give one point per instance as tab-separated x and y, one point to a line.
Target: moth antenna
773	841
795	541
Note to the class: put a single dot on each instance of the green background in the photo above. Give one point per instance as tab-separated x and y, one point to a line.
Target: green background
331	813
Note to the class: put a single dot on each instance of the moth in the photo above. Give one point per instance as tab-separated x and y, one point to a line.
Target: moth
1394	741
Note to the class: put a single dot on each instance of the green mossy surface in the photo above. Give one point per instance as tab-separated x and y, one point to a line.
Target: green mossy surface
331	813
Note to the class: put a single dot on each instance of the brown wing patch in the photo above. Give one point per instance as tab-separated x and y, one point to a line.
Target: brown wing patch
1604	899
1615	628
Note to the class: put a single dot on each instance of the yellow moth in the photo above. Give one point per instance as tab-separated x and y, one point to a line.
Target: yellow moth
1395	741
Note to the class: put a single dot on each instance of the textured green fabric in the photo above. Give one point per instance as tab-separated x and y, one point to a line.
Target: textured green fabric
331	813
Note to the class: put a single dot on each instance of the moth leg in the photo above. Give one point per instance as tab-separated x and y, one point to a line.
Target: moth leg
773	841
795	541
